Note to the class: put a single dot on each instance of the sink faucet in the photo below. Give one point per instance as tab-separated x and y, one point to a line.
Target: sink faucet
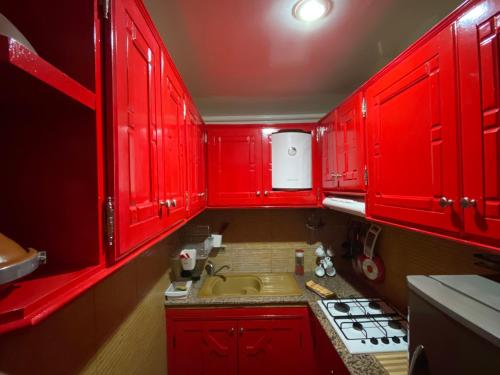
210	268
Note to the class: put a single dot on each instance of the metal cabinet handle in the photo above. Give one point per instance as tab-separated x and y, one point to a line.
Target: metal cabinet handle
414	358
445	202
241	330
337	175
466	202
257	193
165	203
231	331
266	193
174	203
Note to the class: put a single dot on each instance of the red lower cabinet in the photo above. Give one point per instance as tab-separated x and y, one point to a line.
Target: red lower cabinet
327	360
243	341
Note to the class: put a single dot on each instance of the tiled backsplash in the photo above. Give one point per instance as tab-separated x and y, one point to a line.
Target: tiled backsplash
264	256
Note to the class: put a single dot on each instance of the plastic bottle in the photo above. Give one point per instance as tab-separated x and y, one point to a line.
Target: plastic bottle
299	262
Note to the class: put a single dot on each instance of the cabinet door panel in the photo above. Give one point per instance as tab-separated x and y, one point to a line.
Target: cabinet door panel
329	153
134	77
271	346
202	348
479	77
235	167
350	145
197	162
285	197
173	148
412	128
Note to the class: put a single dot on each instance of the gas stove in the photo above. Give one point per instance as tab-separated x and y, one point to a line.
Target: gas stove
367	325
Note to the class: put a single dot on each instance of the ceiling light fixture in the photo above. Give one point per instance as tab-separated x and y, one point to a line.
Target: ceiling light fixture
311	10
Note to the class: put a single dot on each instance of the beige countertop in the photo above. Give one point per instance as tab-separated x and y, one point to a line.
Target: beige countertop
357	364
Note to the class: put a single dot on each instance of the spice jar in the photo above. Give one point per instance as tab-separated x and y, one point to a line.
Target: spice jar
299	262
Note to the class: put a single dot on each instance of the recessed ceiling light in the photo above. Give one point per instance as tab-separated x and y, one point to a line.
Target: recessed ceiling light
311	10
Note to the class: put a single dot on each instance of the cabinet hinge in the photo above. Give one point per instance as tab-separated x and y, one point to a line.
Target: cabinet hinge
110	221
365	175
184	109
105	8
363	107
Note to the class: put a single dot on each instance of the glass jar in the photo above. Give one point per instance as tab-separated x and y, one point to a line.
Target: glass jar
299	262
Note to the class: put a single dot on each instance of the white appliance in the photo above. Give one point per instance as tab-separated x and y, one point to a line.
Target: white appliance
367	325
350	206
454	324
292	160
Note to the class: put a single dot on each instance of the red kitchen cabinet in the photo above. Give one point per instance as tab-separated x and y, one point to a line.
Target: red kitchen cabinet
412	138
135	116
240	167
196	160
203	347
271	346
479	79
173	189
350	141
234	166
329	152
240	340
272	197
327	360
343	148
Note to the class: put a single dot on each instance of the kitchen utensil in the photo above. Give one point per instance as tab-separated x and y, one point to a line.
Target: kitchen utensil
331	271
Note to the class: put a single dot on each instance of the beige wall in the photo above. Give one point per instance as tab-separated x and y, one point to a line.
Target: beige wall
117	327
265	240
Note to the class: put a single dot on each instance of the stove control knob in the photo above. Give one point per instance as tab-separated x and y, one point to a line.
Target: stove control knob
396	340
374	341
385	340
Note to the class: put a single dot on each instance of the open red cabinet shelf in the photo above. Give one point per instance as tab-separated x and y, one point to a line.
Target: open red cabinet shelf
19	64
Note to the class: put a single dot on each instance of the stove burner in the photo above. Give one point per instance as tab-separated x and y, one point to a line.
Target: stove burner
396	340
385	340
357	326
394	324
341	306
374	305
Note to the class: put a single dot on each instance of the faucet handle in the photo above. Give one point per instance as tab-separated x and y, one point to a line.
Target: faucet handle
209	267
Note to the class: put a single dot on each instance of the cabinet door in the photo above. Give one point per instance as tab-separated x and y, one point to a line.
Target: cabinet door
272	197
133	105
479	74
234	166
349	135
173	150
329	153
202	348
412	131
326	358
271	346
196	170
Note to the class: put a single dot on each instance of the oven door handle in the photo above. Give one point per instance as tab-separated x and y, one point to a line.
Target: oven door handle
414	358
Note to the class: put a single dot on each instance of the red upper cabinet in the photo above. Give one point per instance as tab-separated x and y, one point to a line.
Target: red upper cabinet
196	131
240	167
173	148
343	147
478	33
234	166
134	110
412	138
350	140
329	152
275	197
